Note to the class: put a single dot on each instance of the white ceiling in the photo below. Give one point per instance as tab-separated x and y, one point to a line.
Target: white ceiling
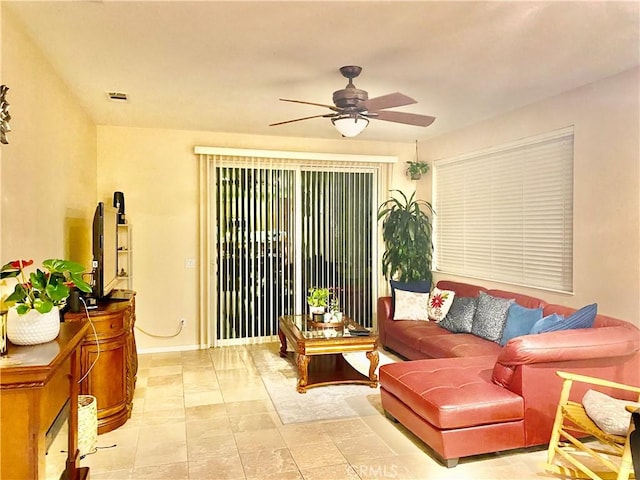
221	66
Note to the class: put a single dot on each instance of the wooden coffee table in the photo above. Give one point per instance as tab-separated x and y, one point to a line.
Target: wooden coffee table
326	345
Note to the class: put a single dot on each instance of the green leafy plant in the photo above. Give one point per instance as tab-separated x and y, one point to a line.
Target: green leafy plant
407	234
416	169
318	297
43	289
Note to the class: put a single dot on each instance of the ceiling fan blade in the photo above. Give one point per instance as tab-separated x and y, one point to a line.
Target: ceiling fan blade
387	101
404	117
332	107
326	115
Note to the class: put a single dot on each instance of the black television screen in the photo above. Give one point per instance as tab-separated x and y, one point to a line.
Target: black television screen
105	250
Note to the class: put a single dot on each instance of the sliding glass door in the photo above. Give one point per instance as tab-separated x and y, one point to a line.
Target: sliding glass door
278	231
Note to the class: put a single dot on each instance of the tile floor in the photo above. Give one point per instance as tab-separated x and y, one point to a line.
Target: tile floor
206	415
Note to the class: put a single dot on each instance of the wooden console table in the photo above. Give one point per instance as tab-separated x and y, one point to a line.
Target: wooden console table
112	379
35	393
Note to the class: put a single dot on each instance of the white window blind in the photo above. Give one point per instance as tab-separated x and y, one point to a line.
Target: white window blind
506	214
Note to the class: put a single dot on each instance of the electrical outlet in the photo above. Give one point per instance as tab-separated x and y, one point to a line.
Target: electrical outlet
183	321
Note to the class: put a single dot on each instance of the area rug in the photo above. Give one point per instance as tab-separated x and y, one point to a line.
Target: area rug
328	402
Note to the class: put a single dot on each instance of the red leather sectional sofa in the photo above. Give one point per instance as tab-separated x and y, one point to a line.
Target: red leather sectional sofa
464	395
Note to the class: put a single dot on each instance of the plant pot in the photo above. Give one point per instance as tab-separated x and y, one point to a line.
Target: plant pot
33	327
316	310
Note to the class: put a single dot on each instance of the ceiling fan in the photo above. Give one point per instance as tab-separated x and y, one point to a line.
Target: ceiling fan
353	108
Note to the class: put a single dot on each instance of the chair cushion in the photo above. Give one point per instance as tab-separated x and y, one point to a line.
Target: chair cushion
607	412
446	392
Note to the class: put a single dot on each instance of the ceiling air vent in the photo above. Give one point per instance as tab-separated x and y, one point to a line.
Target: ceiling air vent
118	97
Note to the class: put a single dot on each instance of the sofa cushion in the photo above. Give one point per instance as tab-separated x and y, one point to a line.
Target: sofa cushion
520	321
490	317
410	333
445	392
457	345
460	315
439	303
411	306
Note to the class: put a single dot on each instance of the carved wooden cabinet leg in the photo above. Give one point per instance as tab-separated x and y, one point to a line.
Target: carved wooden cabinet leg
303	363
283	344
373	364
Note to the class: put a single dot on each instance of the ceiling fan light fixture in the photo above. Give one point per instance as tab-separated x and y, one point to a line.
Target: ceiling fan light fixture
350	125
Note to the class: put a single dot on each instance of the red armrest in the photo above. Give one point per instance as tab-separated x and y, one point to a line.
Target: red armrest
576	344
566	345
384	315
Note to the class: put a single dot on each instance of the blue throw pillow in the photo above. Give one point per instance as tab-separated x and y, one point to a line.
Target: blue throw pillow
520	321
582	318
420	286
549	323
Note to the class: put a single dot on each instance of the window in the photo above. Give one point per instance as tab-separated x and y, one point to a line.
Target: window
506	214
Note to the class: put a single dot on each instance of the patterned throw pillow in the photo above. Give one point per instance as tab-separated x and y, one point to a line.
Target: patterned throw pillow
439	303
419	286
490	317
411	306
460	316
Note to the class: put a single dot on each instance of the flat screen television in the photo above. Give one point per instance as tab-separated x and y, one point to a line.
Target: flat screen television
105	250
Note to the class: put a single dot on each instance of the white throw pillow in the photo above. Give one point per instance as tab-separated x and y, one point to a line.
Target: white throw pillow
439	303
411	306
607	412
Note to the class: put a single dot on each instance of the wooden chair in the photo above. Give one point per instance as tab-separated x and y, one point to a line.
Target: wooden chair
583	459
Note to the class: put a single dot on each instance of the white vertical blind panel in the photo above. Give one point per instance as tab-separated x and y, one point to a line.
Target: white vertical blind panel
507	215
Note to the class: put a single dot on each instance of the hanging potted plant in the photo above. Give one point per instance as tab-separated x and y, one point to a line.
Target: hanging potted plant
407	234
416	169
34	315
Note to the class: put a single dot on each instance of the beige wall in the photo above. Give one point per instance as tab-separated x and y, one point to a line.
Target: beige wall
158	172
605	116
48	169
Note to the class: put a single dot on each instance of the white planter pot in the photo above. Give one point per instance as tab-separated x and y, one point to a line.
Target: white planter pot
33	327
316	310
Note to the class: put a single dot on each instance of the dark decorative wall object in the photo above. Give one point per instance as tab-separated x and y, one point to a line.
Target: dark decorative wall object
4	115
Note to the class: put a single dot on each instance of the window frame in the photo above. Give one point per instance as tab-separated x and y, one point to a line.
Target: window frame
502	243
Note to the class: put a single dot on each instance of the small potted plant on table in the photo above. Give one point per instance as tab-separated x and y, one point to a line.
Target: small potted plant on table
318	300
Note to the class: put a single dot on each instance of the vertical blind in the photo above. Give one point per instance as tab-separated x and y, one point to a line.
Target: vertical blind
278	230
255	241
507	214
337	238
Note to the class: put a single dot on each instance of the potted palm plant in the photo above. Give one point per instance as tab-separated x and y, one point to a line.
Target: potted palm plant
407	234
